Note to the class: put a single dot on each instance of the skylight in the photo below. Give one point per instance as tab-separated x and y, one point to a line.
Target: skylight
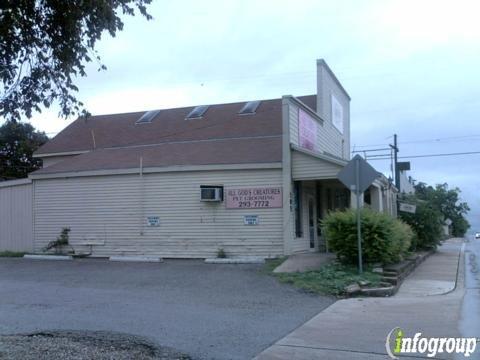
249	107
197	112
147	117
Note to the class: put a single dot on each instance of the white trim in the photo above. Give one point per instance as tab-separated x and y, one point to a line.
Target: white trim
305	107
61	153
320	156
323	63
177	168
15	182
287	178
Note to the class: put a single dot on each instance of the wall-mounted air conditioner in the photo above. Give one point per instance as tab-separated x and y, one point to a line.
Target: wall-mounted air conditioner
211	193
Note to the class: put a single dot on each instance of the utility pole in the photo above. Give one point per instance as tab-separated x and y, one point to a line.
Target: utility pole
395	162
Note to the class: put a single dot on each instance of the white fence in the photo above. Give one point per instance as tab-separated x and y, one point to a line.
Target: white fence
16	220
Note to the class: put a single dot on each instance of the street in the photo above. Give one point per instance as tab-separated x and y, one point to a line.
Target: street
470	322
430	301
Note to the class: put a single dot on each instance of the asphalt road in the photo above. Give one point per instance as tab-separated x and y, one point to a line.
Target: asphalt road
470	322
207	311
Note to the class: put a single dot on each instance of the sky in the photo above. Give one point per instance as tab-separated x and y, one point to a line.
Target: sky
410	67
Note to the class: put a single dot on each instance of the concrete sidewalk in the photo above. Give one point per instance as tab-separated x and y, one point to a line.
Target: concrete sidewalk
429	302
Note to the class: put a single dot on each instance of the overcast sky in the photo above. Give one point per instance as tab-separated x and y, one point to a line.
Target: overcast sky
411	68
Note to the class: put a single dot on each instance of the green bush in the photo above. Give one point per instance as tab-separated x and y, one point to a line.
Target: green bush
384	239
426	223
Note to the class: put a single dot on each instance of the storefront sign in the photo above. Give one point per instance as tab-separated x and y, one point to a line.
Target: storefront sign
153	221
250	220
337	114
307	131
254	198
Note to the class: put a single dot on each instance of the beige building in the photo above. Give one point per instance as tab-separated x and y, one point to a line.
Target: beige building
251	178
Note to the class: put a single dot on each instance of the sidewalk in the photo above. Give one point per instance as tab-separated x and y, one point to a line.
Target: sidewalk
429	302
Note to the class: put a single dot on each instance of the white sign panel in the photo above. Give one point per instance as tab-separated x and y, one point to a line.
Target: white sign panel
250	220
153	221
408	208
254	198
337	114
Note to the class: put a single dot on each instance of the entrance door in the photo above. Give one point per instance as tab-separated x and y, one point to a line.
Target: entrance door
311	221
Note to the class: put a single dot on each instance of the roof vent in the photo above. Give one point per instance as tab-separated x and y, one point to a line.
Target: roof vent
197	112
249	108
147	117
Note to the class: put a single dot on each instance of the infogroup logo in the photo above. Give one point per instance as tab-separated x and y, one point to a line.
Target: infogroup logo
397	343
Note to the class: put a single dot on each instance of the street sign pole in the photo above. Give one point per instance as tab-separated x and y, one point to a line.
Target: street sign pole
359	228
357	176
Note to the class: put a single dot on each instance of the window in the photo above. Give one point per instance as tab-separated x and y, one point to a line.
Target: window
197	112
249	108
297	193
147	117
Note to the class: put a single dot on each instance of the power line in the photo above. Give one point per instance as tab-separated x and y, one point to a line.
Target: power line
460	137
430	155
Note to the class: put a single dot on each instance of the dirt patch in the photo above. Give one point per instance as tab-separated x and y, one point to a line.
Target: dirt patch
79	345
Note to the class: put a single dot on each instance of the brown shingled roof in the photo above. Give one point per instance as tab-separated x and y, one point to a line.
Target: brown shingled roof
231	151
221	136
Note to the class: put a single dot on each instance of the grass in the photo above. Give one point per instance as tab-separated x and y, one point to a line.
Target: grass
330	279
11	254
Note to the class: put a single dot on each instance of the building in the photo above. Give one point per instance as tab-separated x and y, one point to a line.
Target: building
253	178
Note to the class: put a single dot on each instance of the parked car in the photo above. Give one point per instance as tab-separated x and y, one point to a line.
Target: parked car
477	235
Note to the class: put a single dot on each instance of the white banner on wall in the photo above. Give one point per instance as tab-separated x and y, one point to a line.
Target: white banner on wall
337	114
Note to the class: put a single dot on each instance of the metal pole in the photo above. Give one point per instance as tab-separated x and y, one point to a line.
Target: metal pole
397	172
359	230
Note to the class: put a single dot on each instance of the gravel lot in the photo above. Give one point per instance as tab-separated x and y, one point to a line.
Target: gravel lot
205	311
75	345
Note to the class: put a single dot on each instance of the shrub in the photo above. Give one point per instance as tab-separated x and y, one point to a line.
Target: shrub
221	254
62	240
384	239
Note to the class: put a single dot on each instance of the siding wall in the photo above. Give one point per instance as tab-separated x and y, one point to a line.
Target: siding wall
306	167
16	228
329	139
113	210
332	138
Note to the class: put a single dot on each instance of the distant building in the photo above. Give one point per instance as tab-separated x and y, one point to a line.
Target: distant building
406	182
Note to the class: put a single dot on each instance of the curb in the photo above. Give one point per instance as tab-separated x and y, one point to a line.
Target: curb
135	258
394	274
47	257
246	260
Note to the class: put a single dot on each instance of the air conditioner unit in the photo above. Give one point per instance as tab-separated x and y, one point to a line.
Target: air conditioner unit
211	193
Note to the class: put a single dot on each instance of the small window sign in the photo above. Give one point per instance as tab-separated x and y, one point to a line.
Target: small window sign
250	220
153	221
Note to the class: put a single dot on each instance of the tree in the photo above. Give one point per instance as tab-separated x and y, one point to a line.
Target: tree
45	46
447	201
426	222
18	141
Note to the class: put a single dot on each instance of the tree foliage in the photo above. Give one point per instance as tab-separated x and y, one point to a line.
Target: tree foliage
448	202
45	46
426	222
18	141
434	206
